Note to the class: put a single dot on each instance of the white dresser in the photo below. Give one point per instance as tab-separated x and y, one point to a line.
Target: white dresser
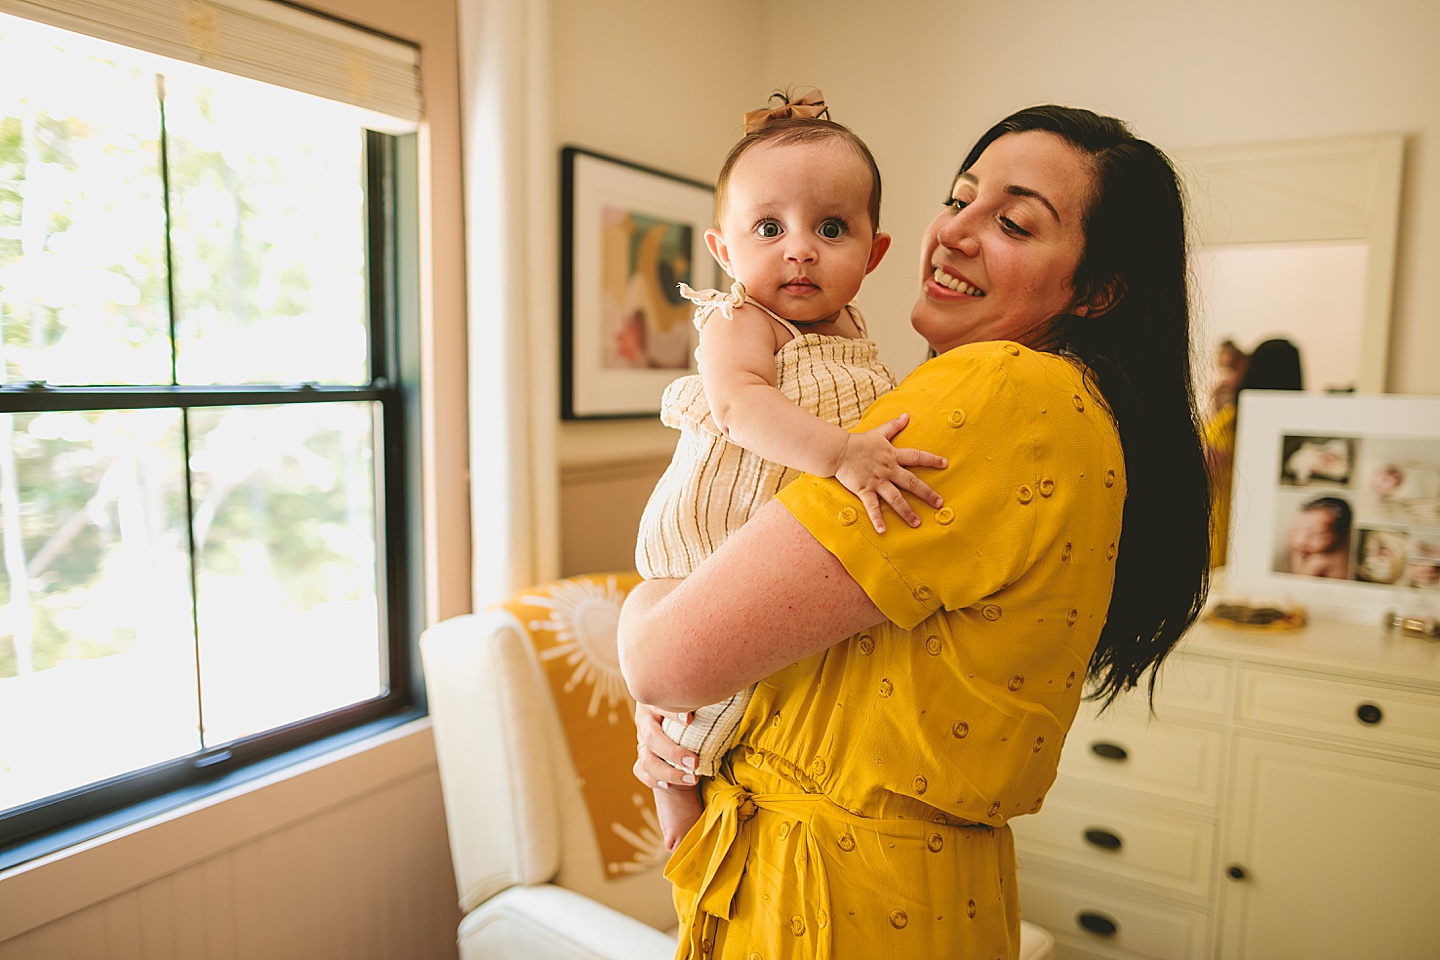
1283	802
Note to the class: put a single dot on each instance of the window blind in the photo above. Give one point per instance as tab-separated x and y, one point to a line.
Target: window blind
260	39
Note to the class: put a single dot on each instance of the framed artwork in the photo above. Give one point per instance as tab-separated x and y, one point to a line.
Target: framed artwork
628	236
1336	503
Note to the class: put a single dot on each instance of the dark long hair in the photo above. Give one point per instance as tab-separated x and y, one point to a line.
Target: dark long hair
1274	365
1137	360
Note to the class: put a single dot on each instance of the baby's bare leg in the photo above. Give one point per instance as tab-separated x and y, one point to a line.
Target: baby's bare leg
678	808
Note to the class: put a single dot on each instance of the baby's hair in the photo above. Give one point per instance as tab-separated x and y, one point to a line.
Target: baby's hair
794	130
1339	511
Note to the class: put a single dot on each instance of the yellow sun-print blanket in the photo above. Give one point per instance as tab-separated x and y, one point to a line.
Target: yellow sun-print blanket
571	624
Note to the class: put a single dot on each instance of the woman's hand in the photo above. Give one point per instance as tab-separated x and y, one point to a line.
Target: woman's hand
661	761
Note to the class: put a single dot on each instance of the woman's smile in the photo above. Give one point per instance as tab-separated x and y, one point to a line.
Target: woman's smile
955	283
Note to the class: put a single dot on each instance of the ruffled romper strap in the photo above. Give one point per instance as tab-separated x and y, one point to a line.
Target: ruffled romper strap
709	301
859	319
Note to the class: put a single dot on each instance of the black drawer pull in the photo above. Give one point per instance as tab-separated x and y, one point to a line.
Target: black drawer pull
1369	713
1103	839
1106	750
1098	923
1236	872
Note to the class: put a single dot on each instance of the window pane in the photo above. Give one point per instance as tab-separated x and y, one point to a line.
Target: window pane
82	267
286	534
267	206
97	653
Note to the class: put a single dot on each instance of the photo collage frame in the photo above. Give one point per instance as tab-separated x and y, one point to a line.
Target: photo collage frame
1337	501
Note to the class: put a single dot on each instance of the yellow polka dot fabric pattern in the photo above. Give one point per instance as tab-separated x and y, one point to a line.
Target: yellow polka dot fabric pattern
863	812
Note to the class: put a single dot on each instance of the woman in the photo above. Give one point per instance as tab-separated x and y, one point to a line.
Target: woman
864	810
1275	365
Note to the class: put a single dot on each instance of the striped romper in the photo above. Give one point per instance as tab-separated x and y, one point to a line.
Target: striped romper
712	486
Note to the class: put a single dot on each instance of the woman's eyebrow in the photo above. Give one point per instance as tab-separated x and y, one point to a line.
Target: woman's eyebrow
1016	191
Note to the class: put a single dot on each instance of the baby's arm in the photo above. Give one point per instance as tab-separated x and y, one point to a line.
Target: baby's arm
738	369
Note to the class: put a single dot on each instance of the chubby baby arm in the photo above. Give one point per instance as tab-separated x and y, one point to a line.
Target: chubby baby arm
737	363
874	469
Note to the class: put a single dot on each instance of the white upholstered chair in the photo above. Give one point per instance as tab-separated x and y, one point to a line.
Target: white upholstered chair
534	883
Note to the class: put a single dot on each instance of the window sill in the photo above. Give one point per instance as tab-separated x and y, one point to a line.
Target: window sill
88	871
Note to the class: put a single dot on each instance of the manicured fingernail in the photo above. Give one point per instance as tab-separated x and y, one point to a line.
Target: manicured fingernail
688	763
689	778
664	785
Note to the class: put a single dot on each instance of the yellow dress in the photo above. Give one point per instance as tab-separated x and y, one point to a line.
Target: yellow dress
863	812
1220	443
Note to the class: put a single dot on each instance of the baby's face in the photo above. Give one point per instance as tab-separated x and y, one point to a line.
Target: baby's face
1386	480
1312	532
796	228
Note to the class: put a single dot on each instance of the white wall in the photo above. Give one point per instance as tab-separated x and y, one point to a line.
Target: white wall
921	79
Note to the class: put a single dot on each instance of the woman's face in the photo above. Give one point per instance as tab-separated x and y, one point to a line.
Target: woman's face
999	260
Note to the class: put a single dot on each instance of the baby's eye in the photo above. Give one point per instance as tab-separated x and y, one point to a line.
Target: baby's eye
768	229
833	229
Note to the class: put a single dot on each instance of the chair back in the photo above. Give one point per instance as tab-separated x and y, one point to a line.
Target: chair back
518	694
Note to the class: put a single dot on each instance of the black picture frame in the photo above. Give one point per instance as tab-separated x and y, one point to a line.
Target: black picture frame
628	235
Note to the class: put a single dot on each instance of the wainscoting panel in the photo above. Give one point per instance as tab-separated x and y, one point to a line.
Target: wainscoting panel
600	507
365	878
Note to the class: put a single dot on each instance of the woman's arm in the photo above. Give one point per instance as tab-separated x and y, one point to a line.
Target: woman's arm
771	595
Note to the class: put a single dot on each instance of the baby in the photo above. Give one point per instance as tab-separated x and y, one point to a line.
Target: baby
1319	539
785	367
1411	490
1320	460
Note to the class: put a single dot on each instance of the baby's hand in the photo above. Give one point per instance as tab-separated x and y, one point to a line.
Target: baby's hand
873	469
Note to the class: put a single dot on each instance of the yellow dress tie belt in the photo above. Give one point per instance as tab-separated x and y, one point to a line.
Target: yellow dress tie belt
710	862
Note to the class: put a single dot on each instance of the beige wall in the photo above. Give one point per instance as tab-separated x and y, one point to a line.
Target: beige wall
923	78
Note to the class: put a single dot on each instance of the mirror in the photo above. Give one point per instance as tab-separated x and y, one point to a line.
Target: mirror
1297	240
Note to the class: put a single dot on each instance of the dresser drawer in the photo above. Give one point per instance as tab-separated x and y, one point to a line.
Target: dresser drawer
1189	688
1110	925
1192	687
1157	850
1360	713
1160	759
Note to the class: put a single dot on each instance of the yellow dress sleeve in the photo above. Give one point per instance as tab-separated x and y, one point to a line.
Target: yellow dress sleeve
1018	428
